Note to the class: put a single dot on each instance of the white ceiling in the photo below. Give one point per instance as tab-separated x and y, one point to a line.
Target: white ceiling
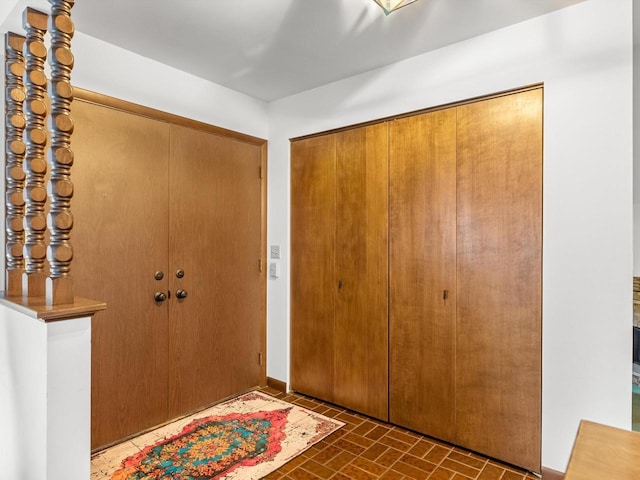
270	49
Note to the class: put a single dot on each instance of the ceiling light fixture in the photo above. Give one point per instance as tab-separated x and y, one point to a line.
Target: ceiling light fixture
390	5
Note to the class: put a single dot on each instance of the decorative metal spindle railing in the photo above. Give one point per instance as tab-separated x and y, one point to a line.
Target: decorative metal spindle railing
35	52
60	285
15	150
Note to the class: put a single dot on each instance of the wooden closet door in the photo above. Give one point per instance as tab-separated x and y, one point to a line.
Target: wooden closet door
216	333
361	321
498	359
422	273
313	257
120	240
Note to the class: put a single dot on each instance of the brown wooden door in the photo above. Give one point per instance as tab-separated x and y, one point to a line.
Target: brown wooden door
339	229
216	333
422	273
313	257
361	321
120	240
499	243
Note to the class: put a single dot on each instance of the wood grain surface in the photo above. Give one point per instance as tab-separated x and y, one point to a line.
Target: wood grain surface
499	263
361	285
422	268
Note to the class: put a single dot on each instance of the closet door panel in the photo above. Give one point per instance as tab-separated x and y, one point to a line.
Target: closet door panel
216	332
498	361
422	274
361	322
313	257
120	240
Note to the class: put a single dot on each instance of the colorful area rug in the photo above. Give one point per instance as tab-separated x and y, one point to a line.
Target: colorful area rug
244	438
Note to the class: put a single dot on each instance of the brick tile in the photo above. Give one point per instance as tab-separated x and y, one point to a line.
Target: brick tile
392	442
421	448
349	446
377	433
369	466
320	409
418	463
364	428
289	398
467	460
409	471
331	412
509	475
374	451
327	454
391	475
306	403
389	457
460	468
336	435
441	474
437	454
317	469
359	440
349	418
407	438
300	474
340	460
340	476
491	472
356	473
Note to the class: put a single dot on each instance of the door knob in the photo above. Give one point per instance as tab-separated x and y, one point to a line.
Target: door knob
181	293
159	296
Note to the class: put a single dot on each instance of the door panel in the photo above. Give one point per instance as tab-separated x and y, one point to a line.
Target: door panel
422	217
361	320
120	240
499	277
313	279
216	332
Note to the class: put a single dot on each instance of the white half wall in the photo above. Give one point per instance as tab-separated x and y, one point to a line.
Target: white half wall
45	397
583	54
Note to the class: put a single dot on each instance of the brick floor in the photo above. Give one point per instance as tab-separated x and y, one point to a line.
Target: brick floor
369	449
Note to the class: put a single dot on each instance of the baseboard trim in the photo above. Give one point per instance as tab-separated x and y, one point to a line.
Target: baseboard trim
550	474
277	384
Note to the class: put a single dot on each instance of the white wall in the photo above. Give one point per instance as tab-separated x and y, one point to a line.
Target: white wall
583	54
636	141
107	69
23	392
45	398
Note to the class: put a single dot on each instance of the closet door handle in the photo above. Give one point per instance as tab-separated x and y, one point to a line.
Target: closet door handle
339	284
445	294
181	294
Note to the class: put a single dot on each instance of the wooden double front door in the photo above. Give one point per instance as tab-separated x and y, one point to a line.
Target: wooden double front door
164	211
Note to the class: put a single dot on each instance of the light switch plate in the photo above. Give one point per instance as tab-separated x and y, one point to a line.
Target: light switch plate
274	270
275	251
